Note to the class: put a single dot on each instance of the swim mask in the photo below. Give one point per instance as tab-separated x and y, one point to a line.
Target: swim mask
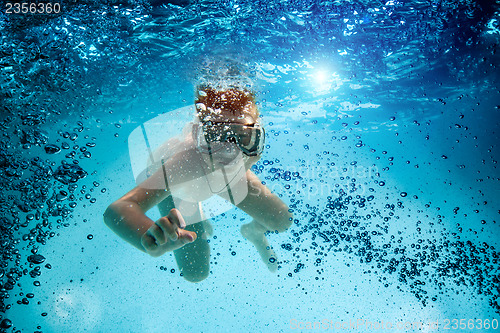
214	137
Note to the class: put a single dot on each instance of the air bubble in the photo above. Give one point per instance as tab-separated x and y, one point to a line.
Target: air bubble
6	323
52	149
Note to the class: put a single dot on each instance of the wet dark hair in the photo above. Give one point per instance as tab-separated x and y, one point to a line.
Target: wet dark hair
231	99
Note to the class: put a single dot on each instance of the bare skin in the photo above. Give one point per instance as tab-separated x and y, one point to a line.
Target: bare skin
126	216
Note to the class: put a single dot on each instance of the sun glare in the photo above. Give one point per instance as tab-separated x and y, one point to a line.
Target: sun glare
320	76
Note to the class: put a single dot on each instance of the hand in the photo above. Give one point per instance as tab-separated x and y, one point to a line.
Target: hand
167	234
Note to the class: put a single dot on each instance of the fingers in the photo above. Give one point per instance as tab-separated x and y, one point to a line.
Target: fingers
159	233
171	224
176	217
156	231
167	229
150	245
167	234
148	242
186	236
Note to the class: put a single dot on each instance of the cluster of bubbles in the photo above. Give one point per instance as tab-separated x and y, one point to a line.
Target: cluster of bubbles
41	179
223	72
349	222
40	190
43	143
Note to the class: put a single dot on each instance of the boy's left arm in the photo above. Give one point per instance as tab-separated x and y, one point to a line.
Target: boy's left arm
264	206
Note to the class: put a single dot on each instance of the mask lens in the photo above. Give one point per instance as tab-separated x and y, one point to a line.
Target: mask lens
250	139
245	134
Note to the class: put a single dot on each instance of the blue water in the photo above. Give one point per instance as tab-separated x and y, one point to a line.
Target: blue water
382	124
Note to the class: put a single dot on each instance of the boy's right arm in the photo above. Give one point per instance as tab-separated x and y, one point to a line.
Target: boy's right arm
126	217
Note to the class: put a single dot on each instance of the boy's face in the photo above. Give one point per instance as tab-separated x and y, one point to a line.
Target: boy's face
231	106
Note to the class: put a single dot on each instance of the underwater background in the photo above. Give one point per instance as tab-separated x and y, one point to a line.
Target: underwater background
382	133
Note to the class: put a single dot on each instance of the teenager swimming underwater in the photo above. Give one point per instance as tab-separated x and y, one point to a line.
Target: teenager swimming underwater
226	136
